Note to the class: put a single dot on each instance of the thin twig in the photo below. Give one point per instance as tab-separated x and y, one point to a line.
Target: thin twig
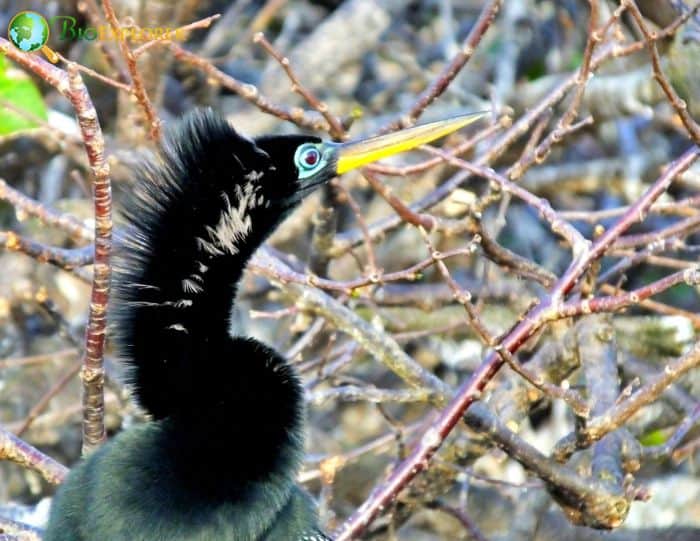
180	31
336	128
47	215
619	413
14	449
471	390
448	74
680	106
139	90
250	92
67	259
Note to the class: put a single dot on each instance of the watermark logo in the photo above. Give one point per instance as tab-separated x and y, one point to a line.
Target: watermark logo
29	32
68	29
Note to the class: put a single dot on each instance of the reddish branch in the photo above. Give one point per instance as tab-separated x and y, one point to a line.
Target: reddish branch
614	303
449	72
347	240
583	74
403	211
70	84
96	18
676	102
471	390
682	228
557	224
336	129
93	368
137	86
655	306
249	92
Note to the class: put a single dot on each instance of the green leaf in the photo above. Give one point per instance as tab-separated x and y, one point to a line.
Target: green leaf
655	437
18	92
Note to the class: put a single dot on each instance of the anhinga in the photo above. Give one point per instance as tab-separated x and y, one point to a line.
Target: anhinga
219	458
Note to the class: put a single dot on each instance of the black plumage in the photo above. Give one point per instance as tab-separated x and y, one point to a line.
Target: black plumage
219	458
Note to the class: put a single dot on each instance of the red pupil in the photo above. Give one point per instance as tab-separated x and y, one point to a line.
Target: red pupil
311	157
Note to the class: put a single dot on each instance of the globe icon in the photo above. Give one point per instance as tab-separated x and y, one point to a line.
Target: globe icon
28	31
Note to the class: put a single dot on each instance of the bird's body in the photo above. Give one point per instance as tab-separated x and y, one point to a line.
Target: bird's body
129	489
219	458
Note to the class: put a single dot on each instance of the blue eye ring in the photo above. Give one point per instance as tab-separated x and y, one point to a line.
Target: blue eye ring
308	157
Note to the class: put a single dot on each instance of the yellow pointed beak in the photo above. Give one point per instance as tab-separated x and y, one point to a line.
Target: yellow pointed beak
358	153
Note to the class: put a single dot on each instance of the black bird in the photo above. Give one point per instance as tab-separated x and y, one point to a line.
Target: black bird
219	458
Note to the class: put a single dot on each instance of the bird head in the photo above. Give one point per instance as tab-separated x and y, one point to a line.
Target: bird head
303	163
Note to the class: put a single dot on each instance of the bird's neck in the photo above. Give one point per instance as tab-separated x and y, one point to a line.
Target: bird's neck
193	221
184	288
221	248
219	395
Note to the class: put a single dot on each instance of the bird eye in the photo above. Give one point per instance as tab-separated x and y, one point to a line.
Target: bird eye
307	157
